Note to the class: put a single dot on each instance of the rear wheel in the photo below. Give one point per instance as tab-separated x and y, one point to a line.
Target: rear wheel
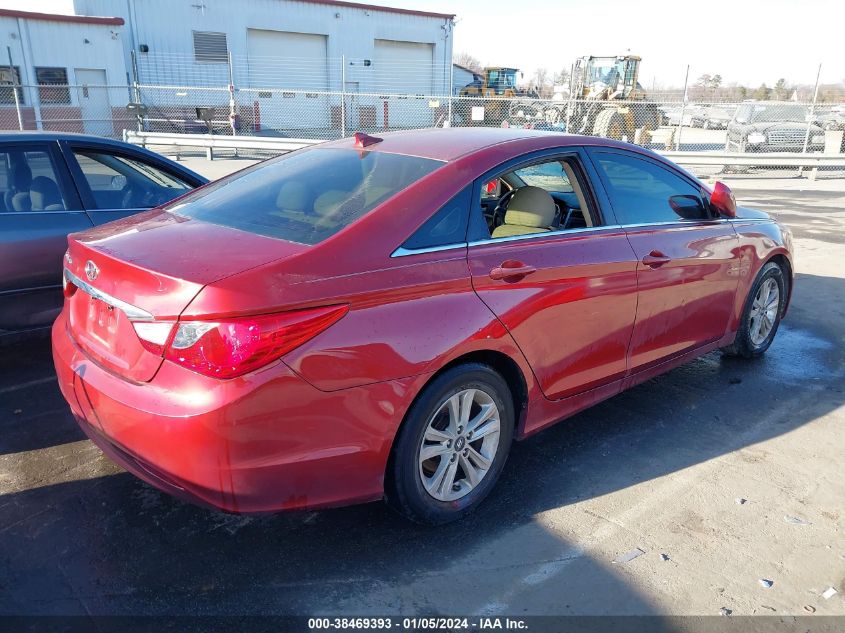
452	446
762	313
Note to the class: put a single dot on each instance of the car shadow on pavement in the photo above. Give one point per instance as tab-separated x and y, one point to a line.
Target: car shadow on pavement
111	544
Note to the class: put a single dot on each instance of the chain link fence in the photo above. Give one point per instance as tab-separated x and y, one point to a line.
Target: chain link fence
299	98
669	125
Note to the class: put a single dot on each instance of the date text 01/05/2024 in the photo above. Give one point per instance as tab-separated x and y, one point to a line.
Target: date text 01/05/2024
418	623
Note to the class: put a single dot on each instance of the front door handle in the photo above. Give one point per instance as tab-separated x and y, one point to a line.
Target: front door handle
655	259
511	271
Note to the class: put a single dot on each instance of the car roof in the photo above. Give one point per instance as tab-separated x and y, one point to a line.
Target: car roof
448	144
27	136
44	135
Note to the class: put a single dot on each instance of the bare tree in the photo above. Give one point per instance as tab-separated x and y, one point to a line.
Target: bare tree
540	82
561	78
468	61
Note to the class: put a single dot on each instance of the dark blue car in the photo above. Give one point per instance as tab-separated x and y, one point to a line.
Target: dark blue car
52	184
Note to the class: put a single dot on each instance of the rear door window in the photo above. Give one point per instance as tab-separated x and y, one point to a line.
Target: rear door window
305	196
119	181
29	181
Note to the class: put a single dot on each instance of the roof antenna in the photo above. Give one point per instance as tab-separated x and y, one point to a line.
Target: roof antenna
365	140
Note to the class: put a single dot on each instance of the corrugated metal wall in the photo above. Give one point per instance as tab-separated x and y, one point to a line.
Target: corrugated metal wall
165	27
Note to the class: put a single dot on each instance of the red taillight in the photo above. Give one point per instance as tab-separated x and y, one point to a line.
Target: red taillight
227	348
68	287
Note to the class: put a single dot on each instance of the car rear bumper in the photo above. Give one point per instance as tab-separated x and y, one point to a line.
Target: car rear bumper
263	442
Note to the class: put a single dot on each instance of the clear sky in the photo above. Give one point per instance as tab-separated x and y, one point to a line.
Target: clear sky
745	41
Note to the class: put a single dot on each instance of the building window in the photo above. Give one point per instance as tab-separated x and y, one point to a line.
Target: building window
10	75
210	47
52	85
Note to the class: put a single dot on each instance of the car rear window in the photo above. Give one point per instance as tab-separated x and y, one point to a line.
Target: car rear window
305	196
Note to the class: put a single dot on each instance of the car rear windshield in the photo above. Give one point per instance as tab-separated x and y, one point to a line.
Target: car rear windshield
305	196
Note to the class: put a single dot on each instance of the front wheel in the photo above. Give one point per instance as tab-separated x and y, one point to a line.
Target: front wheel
762	313
452	446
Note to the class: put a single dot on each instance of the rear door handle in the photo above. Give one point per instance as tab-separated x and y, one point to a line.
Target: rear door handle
655	259
511	270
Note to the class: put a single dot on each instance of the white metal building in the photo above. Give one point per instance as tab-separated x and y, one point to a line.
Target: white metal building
291	44
62	64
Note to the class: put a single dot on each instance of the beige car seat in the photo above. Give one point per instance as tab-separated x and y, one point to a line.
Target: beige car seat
293	200
20	180
531	210
44	195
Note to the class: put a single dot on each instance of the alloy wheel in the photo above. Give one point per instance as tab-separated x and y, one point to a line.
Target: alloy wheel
764	311
459	444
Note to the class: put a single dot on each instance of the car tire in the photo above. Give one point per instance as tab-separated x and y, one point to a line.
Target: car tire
609	124
412	486
760	307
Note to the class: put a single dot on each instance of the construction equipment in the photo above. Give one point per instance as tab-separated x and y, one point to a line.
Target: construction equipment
598	102
494	91
602	90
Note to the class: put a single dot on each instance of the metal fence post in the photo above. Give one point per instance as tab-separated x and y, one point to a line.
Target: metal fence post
812	110
683	107
136	88
233	115
451	92
342	96
15	88
810	122
571	97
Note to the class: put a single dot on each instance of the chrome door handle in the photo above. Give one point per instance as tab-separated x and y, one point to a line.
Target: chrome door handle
511	270
655	259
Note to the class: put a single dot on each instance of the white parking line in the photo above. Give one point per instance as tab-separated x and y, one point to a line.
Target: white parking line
25	385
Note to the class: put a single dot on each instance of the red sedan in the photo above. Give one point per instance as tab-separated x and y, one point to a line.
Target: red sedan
380	317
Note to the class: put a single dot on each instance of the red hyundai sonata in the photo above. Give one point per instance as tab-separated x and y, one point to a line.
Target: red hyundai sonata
380	317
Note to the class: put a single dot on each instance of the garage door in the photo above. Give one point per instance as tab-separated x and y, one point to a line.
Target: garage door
281	62
407	68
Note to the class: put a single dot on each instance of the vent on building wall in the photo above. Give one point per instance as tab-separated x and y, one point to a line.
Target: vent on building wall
210	47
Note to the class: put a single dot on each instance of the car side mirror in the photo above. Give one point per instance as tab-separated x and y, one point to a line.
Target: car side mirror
688	207
722	200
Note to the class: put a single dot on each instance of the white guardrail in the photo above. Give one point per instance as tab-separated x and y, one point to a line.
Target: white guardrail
763	159
210	142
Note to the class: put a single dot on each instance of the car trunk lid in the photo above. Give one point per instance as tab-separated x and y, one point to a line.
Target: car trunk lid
148	268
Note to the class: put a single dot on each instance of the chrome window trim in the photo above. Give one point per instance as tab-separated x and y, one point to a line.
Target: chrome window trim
405	252
528	236
761	220
133	312
709	222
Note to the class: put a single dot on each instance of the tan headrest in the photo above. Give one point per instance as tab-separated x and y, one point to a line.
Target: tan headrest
329	202
531	206
292	196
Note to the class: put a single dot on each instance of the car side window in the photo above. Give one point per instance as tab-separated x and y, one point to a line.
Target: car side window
448	226
540	197
639	190
29	182
118	181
